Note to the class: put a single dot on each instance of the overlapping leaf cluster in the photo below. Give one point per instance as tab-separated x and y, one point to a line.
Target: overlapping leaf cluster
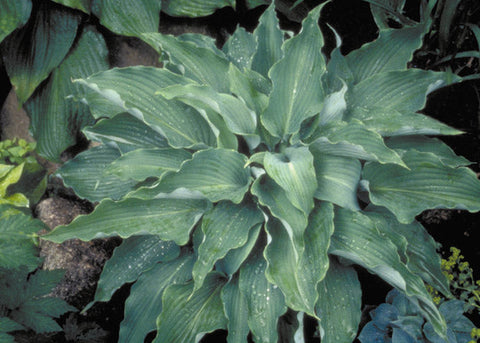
247	180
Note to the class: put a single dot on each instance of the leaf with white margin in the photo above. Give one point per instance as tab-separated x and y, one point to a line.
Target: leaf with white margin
225	227
337	179
186	317
297	93
265	301
133	90
426	184
339	304
219	174
168	218
298	277
357	239
293	170
236	311
144	303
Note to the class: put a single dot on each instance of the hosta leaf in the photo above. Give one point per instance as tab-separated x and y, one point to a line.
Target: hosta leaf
357	239
126	132
143	163
383	54
202	41
31	53
293	170
426	144
298	276
53	114
427	184
14	14
290	327
219	174
128	17
236	311
85	174
240	48
82	5
133	89
193	8
197	63
134	256
297	93
353	139
169	219
403	91
334	106
256	3
16	244
337	179
265	300
269	40
339	304
186	318
144	304
225	227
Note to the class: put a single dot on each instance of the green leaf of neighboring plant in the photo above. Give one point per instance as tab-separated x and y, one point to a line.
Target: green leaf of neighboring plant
8	325
186	317
293	170
52	112
357	239
407	192
31	53
339	304
82	5
17	245
193	8
12	175
170	219
337	179
128	17
448	13
13	14
134	256
225	227
133	89
269	40
297	93
265	301
240	48
144	304
85	173
219	174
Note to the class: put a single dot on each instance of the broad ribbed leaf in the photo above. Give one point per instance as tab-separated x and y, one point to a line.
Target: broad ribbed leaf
236	311
86	175
339	304
134	256
82	5
256	3
31	53
52	112
126	132
219	174
144	304
17	246
265	300
337	179
225	227
298	276
169	219
197	63
143	163
293	170
353	139
297	92
133	89
269	40
383	54
334	106
428	184
357	239
193	8
185	317
426	144
13	14
128	17
240	48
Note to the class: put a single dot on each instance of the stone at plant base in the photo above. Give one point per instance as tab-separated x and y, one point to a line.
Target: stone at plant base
14	121
82	261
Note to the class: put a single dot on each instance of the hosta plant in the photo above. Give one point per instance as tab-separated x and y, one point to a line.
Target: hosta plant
247	181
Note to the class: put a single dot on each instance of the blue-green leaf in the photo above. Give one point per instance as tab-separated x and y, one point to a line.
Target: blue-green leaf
193	8
240	48
236	311
13	14
82	5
